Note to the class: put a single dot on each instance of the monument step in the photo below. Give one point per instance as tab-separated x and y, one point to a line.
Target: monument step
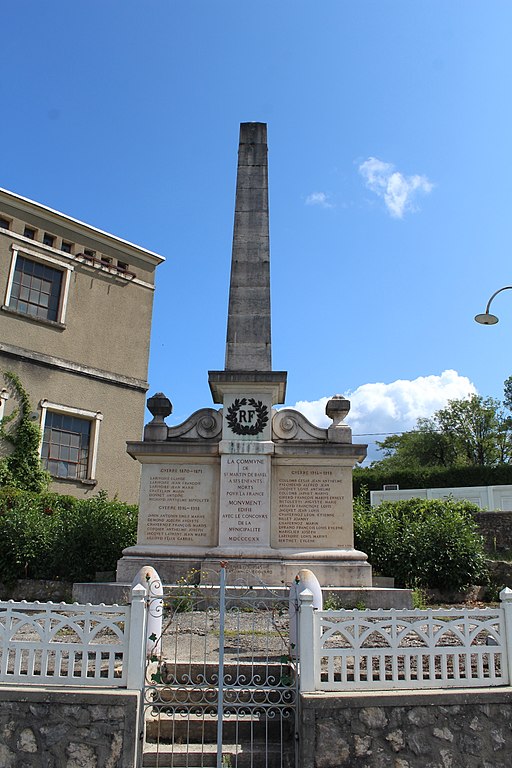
347	597
204	699
253	755
273	674
197	729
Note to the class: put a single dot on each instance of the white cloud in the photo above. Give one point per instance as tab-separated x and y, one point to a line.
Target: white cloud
398	191
319	198
393	407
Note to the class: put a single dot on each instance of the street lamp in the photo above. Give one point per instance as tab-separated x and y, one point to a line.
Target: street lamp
486	318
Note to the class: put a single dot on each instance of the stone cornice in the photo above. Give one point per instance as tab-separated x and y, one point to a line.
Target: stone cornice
49	361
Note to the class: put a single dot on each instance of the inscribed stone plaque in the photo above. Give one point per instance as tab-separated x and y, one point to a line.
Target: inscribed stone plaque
244	519
312	507
177	505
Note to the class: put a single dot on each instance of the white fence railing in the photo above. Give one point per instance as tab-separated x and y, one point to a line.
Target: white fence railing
491	497
72	644
404	649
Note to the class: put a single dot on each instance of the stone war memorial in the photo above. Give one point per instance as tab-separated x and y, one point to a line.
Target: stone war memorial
260	488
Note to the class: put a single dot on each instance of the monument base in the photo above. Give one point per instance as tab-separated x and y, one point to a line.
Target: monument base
338	597
272	567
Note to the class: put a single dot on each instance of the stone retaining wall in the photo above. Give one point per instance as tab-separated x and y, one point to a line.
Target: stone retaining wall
496	528
37	589
421	729
67	729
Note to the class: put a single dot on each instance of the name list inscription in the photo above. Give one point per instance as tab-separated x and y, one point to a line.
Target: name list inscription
311	508
245	506
178	504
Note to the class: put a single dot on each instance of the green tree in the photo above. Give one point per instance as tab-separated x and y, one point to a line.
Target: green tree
426	446
507	394
479	430
472	431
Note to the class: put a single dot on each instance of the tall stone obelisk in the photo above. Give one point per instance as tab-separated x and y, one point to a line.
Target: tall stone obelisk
248	343
265	489
248	388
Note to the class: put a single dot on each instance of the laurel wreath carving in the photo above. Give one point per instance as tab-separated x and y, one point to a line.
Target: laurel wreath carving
247	429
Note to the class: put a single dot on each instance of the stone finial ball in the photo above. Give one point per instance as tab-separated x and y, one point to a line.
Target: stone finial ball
159	405
337	407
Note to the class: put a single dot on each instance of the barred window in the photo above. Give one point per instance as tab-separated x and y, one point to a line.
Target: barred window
66	445
36	289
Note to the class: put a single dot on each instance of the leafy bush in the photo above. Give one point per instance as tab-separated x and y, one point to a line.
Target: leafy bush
49	536
422	543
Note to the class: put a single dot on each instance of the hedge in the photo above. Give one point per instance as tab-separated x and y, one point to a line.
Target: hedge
51	536
432	477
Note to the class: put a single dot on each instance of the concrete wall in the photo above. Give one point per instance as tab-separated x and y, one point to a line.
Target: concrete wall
424	729
67	729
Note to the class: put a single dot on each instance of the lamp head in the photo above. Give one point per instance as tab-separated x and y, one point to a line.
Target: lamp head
486	319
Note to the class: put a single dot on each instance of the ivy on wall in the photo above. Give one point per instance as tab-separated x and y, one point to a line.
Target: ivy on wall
21	468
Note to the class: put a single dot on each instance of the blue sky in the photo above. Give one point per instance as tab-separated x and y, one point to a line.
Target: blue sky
389	125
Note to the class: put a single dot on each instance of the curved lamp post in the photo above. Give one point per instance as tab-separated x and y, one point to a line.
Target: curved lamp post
486	318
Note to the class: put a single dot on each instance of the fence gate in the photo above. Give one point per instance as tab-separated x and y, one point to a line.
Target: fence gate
222	691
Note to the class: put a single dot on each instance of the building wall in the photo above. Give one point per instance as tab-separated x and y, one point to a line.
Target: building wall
108	317
93	358
122	410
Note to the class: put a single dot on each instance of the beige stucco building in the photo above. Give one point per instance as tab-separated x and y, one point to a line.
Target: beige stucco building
75	323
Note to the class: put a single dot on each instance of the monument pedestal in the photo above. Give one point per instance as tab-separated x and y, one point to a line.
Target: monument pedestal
268	503
333	569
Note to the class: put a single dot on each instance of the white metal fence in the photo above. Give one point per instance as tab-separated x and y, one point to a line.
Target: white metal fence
404	649
62	644
491	497
100	645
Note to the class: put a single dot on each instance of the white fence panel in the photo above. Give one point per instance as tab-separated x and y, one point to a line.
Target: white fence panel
62	644
491	497
403	649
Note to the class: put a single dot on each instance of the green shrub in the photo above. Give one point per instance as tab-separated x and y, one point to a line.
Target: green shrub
49	536
423	543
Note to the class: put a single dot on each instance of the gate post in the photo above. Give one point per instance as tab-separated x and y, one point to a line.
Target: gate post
137	640
307	649
220	688
506	604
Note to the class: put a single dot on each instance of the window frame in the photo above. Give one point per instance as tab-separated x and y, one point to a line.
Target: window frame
28	228
52	239
95	417
65	269
4	397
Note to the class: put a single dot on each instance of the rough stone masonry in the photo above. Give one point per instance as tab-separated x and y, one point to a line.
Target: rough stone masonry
421	729
67	729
